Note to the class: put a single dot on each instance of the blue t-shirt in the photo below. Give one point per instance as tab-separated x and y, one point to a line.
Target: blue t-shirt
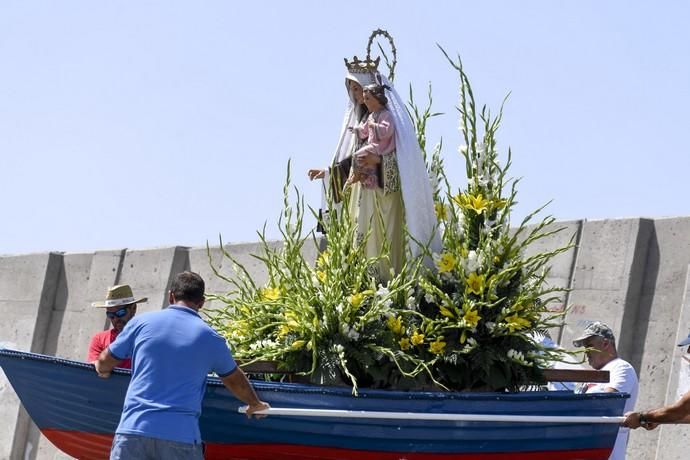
172	351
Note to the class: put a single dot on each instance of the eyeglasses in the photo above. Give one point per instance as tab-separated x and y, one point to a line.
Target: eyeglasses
117	314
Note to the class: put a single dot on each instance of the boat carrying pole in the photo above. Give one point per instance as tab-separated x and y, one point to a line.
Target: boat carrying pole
516	418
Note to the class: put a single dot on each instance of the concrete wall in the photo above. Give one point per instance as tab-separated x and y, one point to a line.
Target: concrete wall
631	273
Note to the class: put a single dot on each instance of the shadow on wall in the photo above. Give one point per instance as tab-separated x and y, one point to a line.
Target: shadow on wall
636	320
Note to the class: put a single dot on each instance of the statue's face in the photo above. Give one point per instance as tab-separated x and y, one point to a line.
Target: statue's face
356	90
371	102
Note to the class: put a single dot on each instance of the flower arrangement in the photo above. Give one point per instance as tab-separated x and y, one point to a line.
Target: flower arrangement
470	323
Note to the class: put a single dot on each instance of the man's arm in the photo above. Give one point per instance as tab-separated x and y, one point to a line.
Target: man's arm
239	385
105	363
95	349
678	412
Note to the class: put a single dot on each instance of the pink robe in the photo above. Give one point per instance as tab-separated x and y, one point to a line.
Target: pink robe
379	132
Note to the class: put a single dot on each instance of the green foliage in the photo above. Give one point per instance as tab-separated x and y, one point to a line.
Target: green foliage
468	324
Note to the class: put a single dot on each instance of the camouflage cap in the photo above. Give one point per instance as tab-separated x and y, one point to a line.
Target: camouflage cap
597	328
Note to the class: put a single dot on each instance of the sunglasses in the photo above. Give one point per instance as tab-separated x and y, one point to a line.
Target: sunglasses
117	314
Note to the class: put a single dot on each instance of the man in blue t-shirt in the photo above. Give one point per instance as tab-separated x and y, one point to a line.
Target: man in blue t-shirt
172	352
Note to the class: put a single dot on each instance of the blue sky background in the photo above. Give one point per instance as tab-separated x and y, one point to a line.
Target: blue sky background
154	123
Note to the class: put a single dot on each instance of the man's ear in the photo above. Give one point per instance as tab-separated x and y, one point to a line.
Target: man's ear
171	298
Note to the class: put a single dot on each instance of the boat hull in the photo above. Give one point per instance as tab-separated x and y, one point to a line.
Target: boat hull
78	412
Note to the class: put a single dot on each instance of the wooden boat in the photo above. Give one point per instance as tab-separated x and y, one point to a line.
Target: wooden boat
79	412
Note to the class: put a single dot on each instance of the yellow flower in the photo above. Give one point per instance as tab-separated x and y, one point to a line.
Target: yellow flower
323	259
395	324
477	203
283	331
270	293
404	343
475	283
297	344
460	199
446	312
356	299
471	318
447	262
441	211
437	346
321	275
417	338
515	323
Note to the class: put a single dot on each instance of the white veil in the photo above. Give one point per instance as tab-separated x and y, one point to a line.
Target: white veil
418	200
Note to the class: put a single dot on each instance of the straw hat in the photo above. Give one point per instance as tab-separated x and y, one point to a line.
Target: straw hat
117	296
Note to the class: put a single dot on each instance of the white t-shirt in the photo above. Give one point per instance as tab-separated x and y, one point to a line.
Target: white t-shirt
623	379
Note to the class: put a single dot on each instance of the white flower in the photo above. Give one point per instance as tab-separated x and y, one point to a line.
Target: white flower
463	149
411	303
490	326
433	178
429	298
470	345
518	357
384	293
481	148
348	331
472	262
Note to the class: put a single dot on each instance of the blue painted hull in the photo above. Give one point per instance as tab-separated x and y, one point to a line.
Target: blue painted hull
79	412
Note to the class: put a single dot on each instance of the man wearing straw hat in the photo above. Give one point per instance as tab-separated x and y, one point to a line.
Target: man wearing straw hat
120	306
678	412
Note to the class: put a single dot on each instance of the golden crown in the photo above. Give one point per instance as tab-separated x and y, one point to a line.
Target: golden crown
362	66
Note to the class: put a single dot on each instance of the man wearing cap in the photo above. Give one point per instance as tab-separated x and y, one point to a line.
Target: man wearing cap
678	412
598	338
120	306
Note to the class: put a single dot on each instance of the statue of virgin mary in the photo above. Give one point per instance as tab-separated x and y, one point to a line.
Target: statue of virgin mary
403	197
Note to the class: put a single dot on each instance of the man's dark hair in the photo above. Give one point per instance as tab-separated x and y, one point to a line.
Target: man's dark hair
188	286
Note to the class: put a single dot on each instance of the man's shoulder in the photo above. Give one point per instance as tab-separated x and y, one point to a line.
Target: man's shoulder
621	370
620	363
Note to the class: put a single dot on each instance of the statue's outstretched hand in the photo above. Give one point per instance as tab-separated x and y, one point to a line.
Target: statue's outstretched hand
316	173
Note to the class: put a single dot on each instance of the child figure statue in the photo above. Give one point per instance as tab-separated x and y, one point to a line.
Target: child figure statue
379	132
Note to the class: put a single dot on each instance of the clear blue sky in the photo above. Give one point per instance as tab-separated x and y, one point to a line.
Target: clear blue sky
153	123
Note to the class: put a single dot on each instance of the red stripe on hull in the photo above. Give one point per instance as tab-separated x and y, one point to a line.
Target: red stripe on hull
91	446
